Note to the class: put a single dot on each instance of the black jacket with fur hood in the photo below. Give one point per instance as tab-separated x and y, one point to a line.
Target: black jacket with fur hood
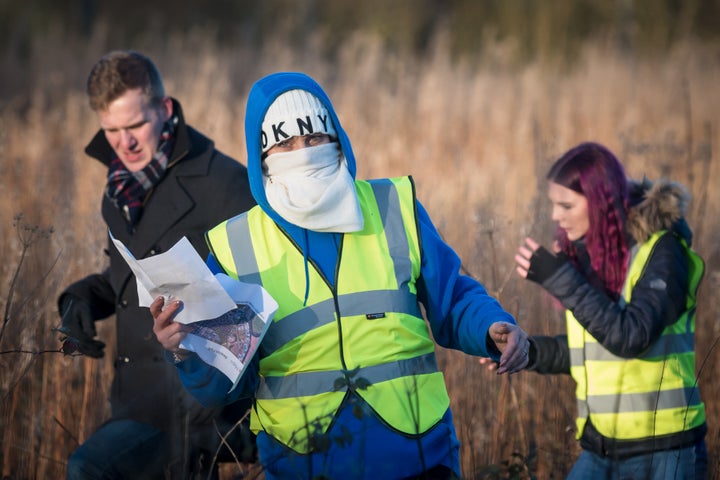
627	330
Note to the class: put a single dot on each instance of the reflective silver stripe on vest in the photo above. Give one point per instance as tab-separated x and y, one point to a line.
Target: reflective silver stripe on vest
582	408
577	357
315	383
643	402
388	202
671	344
242	251
361	303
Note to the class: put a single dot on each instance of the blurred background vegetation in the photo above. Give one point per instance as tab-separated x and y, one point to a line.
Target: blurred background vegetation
532	30
474	98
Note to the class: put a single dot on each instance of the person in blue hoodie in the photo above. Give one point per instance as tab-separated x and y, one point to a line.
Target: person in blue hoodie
345	383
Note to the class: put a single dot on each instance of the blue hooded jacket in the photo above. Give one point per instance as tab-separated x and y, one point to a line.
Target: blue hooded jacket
458	309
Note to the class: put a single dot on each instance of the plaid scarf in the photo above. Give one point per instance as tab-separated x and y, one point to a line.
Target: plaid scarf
127	189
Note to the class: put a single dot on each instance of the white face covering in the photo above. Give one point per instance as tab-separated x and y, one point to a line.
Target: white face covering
313	189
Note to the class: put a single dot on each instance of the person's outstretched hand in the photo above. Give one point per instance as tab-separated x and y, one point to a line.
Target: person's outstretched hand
168	332
512	341
523	256
536	263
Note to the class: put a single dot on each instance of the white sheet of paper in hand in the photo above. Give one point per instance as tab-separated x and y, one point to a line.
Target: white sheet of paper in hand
179	273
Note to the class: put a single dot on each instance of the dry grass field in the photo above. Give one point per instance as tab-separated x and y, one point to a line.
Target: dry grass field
476	138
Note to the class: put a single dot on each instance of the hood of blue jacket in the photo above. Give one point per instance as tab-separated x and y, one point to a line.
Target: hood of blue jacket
262	94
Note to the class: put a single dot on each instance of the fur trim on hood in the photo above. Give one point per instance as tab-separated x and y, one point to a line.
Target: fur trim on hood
659	205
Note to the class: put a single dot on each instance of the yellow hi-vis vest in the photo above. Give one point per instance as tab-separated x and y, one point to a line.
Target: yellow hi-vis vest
366	335
652	395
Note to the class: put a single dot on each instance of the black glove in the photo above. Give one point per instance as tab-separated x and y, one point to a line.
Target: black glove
78	324
544	264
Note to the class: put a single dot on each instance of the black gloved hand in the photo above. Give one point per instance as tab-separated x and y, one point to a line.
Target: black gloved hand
78	324
544	264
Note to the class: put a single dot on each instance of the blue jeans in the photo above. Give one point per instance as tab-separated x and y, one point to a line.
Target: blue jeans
683	464
126	449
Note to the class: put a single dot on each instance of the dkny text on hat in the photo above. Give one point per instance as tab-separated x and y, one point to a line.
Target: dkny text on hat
294	113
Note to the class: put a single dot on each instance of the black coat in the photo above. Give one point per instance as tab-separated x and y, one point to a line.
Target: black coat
202	187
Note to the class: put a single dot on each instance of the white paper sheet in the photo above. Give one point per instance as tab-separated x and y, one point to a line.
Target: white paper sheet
225	319
179	273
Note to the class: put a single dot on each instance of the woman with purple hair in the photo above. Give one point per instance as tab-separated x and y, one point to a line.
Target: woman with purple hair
624	271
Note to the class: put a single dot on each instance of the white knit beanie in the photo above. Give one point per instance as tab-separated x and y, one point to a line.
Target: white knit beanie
294	113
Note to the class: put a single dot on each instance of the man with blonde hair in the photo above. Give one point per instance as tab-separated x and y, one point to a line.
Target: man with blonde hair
165	180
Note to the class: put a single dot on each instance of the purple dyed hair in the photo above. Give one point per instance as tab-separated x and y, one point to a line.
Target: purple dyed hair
592	170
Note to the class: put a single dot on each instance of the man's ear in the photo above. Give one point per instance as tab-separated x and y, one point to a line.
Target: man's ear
167	108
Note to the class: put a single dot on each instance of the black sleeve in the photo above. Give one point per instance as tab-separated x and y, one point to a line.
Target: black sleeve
658	299
549	354
97	291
